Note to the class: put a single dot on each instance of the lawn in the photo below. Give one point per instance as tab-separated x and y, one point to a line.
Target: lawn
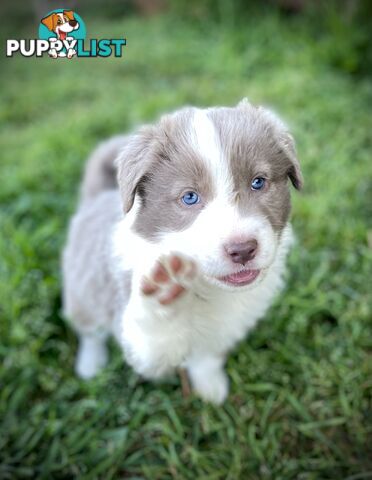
300	402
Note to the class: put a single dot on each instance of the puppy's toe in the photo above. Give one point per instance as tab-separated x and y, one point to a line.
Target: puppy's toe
175	264
160	274
182	269
171	294
148	288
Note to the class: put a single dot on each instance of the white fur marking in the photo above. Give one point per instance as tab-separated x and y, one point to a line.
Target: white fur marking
206	139
208	145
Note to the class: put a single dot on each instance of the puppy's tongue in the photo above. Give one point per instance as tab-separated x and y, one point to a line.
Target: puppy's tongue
62	35
244	277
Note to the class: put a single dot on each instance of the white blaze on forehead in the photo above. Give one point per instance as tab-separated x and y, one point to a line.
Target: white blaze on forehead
208	145
207	142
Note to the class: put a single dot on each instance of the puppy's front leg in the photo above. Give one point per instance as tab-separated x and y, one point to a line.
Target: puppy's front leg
156	318
53	53
71	53
208	377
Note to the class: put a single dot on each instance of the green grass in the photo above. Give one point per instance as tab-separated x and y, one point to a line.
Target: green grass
300	402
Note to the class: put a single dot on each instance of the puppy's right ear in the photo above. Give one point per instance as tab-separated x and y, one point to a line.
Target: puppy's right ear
69	14
50	21
133	163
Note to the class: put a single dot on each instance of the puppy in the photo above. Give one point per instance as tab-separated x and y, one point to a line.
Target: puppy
183	259
61	24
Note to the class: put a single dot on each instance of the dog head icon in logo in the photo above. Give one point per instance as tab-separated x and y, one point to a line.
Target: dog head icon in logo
62	28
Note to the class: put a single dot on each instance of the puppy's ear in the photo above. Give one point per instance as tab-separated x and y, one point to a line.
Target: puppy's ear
294	170
287	145
133	163
69	14
50	21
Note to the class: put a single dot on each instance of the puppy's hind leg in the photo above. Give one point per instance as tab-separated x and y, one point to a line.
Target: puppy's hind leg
92	354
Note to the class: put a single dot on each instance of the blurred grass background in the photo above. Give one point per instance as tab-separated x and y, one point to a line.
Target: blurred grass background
300	402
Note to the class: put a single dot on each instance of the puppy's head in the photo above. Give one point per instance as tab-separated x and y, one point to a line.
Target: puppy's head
213	185
61	23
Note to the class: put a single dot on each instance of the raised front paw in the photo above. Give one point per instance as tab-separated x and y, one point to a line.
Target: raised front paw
169	279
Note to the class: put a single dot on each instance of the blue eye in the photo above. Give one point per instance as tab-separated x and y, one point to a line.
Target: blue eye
258	183
190	198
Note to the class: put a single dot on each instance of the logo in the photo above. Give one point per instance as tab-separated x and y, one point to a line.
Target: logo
63	26
62	34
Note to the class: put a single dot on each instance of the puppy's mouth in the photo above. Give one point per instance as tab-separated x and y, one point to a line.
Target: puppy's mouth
62	34
239	279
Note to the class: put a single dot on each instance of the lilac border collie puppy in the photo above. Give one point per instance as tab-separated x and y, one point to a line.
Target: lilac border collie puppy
178	245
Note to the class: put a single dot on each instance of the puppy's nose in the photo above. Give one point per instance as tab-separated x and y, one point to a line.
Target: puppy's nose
242	252
72	23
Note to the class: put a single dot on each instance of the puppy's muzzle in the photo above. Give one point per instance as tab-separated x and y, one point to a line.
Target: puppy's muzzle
242	252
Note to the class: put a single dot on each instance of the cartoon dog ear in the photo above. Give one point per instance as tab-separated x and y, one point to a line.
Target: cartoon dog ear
69	14
133	164
50	21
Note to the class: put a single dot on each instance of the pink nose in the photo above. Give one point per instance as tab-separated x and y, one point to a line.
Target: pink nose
242	252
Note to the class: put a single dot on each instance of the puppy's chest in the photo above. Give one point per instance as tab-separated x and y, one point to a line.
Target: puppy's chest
219	321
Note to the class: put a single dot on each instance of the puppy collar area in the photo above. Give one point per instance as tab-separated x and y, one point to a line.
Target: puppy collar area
89	49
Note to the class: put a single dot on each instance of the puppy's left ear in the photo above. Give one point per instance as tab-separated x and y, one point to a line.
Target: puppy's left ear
49	21
284	138
69	14
294	170
287	145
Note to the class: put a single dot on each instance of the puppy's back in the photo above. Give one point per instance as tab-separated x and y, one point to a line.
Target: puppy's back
89	287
